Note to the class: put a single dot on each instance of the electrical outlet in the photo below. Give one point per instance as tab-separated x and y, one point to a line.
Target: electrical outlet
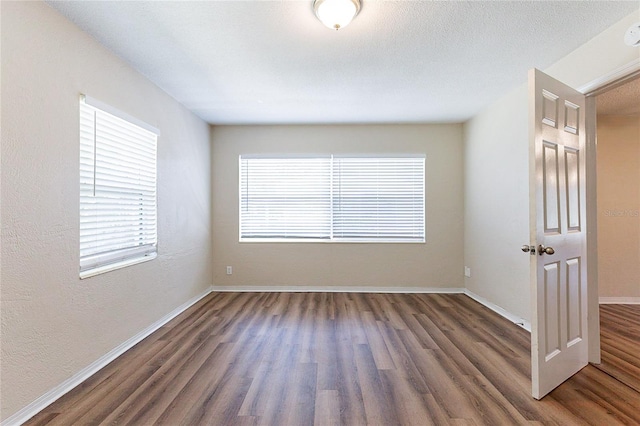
229	270
467	272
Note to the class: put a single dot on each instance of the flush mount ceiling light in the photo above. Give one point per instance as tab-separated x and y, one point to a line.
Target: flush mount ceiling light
336	14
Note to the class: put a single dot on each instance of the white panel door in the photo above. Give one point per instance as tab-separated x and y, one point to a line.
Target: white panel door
559	346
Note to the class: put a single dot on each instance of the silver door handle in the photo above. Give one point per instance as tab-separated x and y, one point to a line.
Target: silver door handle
545	250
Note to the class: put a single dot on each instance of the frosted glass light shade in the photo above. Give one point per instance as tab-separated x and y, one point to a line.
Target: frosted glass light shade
336	14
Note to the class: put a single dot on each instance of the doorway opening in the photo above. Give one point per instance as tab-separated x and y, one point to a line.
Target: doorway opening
618	217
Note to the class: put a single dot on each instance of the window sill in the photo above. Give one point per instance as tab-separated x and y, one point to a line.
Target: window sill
119	265
324	241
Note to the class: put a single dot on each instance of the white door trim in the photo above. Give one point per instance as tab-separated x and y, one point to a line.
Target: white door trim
610	77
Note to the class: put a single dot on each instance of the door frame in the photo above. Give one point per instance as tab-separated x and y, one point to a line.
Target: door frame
595	87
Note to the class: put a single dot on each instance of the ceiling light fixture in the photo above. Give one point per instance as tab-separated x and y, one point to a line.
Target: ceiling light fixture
336	14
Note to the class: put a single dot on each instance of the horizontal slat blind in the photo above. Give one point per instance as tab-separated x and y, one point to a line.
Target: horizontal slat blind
378	199
117	189
284	198
336	198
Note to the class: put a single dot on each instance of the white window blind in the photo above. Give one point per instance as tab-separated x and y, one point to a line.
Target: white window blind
118	223
283	198
378	198
333	198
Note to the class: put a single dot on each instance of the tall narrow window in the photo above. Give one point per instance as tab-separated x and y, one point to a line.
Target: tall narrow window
118	214
332	198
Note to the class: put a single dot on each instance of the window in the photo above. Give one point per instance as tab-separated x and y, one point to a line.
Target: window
332	198
378	198
118	224
285	197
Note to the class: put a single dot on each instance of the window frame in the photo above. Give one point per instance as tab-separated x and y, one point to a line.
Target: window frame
332	239
136	171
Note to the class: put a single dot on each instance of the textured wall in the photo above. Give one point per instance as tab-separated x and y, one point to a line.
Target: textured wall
619	206
438	263
53	323
496	164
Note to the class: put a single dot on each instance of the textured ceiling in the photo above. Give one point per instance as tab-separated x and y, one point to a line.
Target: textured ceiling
250	62
623	100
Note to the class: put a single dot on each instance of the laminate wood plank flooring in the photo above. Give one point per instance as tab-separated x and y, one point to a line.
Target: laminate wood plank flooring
336	359
620	343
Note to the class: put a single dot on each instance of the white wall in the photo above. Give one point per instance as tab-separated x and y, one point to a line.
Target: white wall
619	206
54	324
438	263
496	221
496	144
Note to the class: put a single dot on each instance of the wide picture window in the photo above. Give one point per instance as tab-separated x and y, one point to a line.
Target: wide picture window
118	212
332	198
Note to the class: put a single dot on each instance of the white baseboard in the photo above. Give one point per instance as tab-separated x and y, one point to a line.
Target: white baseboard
500	311
334	289
51	396
619	300
341	289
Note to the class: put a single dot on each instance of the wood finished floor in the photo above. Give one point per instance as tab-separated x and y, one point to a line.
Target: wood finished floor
336	358
620	343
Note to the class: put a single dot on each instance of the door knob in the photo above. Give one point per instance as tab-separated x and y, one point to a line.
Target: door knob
545	250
